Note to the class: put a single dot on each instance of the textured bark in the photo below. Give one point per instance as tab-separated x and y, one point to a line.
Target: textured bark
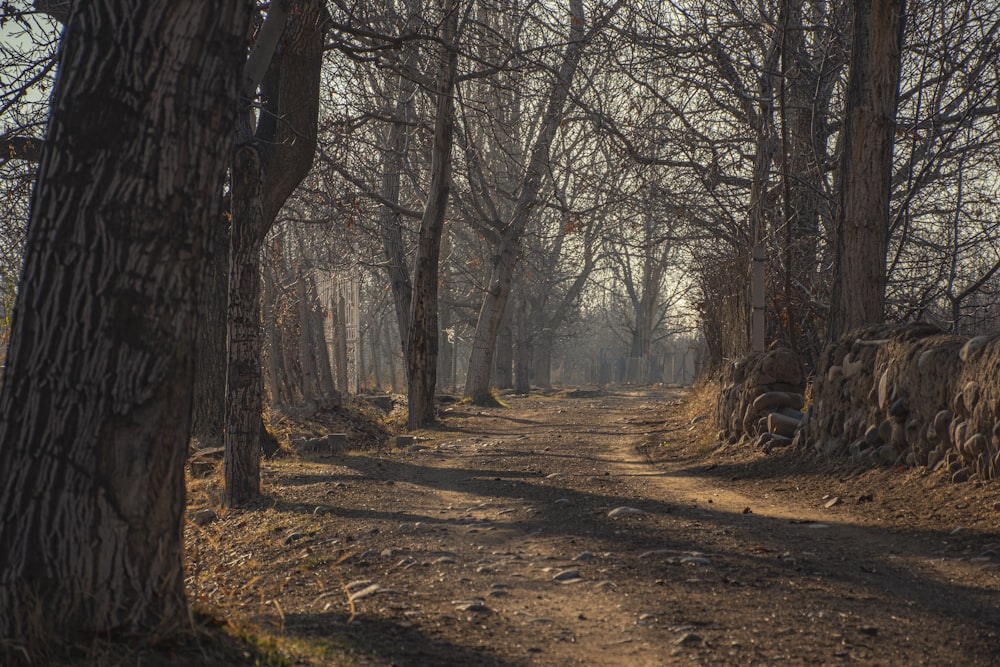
800	173
244	383
95	406
503	369
422	344
477	379
208	415
866	167
285	142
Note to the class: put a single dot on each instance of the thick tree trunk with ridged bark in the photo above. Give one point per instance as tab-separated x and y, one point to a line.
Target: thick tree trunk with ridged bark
862	234
95	406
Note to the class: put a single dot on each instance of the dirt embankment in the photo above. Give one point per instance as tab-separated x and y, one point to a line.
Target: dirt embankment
603	530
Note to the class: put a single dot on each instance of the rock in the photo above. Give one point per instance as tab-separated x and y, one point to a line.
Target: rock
204	516
942	424
885	431
567	575
972	346
975	445
336	443
832	502
961	475
624	511
404	441
793	413
898	408
886	454
780	424
294	537
851	368
474	606
688	639
872	437
777	441
584	555
898	437
775	400
884	395
206	461
555	475
694	560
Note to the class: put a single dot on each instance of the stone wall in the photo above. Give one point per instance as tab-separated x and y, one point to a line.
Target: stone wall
761	399
908	395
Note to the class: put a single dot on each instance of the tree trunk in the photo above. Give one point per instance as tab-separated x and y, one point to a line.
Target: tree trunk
324	369
503	371
340	345
542	359
307	358
275	368
375	344
208	416
391	359
422	345
522	354
95	409
244	395
285	143
477	379
390	222
760	181
866	166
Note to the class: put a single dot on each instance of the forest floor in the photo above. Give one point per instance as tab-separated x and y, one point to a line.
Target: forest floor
601	528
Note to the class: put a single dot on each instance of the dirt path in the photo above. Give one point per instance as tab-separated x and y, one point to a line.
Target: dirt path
541	535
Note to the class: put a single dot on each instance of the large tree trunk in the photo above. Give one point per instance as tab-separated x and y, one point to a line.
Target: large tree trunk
95	407
422	345
866	166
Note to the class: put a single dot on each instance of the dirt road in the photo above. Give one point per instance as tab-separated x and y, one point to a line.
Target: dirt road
540	534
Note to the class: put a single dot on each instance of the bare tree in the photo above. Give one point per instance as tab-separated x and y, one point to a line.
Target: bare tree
94	410
858	293
267	167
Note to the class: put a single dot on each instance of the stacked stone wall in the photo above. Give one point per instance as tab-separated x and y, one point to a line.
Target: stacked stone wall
908	395
761	399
